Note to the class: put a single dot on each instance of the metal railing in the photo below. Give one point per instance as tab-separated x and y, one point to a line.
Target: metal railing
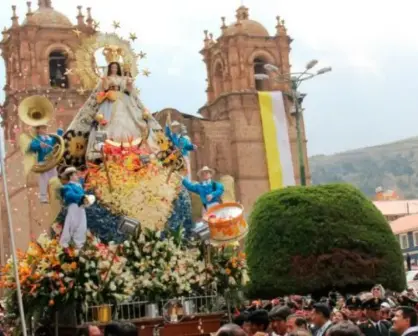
135	310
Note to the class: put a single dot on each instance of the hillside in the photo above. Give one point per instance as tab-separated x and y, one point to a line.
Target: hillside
392	166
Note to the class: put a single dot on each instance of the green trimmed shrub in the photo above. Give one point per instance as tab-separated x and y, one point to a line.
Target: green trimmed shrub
310	240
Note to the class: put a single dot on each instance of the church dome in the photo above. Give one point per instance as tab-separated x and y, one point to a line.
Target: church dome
245	26
49	17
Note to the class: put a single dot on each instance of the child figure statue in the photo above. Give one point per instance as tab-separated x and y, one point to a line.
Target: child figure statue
210	191
43	145
74	197
177	134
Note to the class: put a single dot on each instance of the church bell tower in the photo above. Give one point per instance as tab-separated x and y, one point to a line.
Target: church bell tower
232	60
39	55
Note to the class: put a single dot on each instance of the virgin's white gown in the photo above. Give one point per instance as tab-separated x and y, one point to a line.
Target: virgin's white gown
124	116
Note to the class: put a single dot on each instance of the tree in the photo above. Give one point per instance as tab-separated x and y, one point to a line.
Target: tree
310	240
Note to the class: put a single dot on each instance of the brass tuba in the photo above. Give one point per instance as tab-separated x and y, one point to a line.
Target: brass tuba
37	111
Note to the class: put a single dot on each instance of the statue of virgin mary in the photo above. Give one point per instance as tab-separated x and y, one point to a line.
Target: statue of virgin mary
113	112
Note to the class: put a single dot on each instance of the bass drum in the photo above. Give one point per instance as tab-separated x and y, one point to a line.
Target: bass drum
226	223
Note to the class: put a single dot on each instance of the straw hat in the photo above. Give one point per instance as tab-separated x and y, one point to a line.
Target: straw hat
68	171
205	169
89	200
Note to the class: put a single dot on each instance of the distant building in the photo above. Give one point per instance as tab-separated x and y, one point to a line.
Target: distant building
402	216
386	195
406	230
392	210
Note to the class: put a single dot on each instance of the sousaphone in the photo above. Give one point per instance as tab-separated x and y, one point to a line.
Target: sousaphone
37	111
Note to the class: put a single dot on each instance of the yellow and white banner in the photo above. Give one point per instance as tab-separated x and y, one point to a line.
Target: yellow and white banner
276	139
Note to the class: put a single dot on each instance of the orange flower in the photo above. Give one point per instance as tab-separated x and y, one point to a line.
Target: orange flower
51	302
227	271
62	290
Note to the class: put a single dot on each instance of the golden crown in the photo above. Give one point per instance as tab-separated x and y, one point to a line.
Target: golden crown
113	53
127	66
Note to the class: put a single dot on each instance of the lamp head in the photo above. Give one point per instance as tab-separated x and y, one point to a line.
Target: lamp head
201	231
311	64
324	70
128	225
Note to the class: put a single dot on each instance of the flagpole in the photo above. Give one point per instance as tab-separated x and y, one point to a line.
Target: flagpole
12	237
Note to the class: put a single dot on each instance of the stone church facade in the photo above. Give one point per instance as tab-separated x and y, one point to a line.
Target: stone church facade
39	52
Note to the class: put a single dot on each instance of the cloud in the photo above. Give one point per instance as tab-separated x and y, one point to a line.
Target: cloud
174	72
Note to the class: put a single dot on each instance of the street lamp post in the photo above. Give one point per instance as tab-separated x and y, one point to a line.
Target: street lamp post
11	230
295	79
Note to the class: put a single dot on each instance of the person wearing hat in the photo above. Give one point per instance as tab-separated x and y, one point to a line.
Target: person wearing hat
210	191
42	145
278	319
374	326
177	134
354	307
405	300
259	321
186	146
321	318
75	199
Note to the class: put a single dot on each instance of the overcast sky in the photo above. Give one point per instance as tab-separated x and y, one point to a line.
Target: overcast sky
369	98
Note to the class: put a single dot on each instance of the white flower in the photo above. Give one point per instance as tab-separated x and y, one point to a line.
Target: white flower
112	286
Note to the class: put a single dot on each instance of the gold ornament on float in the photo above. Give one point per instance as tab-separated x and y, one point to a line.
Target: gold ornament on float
113	53
115	49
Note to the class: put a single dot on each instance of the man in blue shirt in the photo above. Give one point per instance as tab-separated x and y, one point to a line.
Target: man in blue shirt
210	191
43	145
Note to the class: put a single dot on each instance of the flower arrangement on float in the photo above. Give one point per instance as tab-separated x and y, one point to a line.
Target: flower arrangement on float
229	271
164	267
51	278
152	265
141	191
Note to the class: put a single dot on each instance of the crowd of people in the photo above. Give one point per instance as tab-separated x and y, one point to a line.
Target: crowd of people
374	313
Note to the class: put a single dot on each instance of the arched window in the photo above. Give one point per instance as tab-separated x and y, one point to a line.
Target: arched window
218	85
57	66
260	84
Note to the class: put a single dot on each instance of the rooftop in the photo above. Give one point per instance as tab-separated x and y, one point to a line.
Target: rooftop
405	224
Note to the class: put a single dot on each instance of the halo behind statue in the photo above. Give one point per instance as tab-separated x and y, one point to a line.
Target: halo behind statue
115	48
